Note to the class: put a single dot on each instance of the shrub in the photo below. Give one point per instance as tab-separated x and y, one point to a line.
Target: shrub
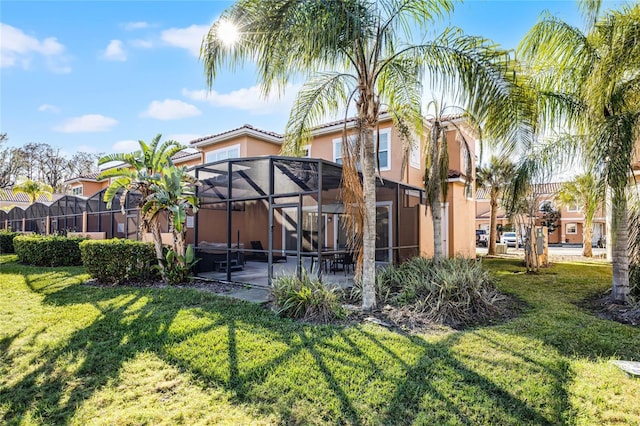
50	250
6	241
306	298
118	261
452	291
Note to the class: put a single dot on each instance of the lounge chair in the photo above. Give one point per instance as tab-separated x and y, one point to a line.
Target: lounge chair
260	254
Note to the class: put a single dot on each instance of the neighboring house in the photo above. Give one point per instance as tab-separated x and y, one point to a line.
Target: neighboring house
87	185
569	226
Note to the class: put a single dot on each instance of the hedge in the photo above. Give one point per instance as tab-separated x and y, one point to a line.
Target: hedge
6	241
117	261
40	250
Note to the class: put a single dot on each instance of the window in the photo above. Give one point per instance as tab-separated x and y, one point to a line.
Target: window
573	207
414	154
545	205
384	152
572	228
306	151
223	154
77	190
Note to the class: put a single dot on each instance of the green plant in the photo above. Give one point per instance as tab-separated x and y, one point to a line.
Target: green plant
452	291
6	241
51	250
306	298
118	260
176	268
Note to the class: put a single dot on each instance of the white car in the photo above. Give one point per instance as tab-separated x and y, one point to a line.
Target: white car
510	239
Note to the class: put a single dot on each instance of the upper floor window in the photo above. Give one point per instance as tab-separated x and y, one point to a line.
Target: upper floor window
545	205
573	207
572	228
222	154
77	190
306	151
384	151
414	154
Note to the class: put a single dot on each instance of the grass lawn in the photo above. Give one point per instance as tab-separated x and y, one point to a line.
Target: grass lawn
73	354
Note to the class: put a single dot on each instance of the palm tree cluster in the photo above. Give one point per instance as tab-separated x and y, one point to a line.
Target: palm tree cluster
165	189
360	55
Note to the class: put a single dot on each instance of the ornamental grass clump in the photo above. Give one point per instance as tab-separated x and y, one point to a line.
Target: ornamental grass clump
306	298
453	291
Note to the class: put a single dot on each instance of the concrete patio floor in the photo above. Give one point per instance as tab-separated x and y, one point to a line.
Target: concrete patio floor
255	274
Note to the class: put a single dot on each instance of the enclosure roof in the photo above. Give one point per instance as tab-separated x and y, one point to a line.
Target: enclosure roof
259	177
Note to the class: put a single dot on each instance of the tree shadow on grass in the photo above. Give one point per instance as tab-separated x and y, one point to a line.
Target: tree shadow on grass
244	349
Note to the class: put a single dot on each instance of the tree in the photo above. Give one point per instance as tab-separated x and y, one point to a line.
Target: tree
494	177
597	74
588	194
173	194
33	189
550	216
358	54
139	171
10	164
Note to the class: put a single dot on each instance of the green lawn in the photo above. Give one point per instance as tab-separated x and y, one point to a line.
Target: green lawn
72	354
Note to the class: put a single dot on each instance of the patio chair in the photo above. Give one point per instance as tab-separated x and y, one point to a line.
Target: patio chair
260	254
343	262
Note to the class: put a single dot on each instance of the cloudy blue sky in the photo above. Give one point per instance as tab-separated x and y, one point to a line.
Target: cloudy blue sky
97	75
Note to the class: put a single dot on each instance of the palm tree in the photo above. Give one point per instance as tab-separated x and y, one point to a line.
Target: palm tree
597	74
138	171
358	54
173	193
436	170
494	177
587	193
33	189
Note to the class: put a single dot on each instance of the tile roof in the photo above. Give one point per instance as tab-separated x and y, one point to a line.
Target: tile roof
541	189
7	196
246	126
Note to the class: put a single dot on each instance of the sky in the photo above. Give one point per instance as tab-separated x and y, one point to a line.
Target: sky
96	76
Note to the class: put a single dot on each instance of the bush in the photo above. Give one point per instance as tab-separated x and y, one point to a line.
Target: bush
6	241
51	250
453	291
306	299
118	261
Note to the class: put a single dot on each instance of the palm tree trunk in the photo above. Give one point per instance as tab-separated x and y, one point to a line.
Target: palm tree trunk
587	236
620	287
369	219
492	224
157	241
436	189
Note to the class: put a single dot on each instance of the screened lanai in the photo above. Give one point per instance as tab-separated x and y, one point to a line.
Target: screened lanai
281	210
15	218
3	219
66	214
111	220
36	218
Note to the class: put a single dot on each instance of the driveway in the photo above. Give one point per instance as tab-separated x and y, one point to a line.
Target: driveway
553	251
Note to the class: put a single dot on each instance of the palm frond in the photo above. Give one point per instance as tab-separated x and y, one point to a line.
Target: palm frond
325	93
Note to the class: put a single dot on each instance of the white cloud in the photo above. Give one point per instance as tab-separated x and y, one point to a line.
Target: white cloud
126	146
130	26
48	108
87	124
114	52
189	38
19	49
183	138
248	99
141	44
170	109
